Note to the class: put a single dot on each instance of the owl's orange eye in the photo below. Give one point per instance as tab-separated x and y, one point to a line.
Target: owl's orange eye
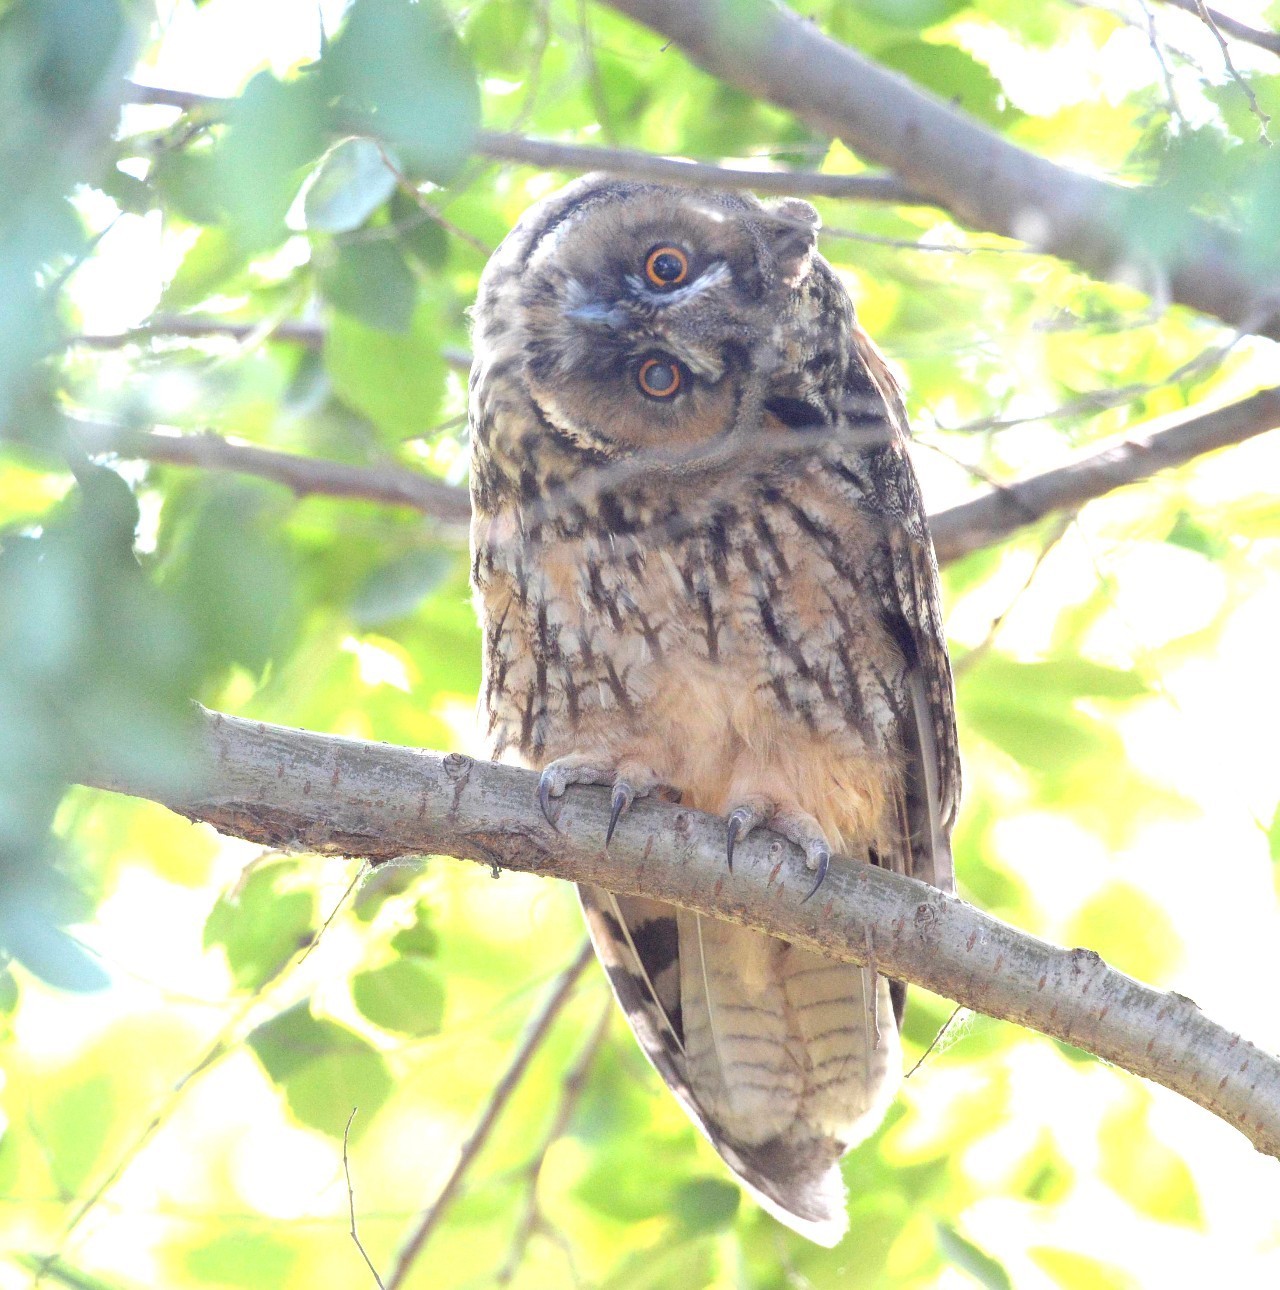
666	266
659	378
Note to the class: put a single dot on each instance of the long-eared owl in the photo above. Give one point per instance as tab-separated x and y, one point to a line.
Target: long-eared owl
702	569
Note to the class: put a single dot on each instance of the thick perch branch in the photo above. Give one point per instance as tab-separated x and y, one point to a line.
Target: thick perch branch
294	789
937	151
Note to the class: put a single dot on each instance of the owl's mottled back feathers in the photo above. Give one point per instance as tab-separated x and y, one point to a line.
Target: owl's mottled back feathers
702	568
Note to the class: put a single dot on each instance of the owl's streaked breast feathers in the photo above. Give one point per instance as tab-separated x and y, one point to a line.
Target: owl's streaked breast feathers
702	567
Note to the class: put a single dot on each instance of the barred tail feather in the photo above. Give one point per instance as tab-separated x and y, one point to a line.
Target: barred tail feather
783	1059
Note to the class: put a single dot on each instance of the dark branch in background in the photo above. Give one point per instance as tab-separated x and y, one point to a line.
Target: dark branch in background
983	179
574	158
993	516
956	531
1268	40
529	1045
391	484
310	334
295	790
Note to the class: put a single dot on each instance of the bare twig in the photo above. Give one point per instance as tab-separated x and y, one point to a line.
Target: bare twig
1268	40
574	158
310	334
389	484
351	1201
572	1088
1157	48
327	795
993	516
775	54
537	1031
1210	21
934	1042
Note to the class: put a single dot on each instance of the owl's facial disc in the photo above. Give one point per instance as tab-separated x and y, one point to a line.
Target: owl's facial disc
642	313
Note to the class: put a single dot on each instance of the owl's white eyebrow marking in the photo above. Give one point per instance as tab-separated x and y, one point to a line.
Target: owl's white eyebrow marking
714	274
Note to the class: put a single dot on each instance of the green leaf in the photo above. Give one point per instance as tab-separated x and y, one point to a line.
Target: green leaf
953	75
394	379
324	1069
1074	1271
370	282
243	1258
211	262
263	924
395	589
1130	930
406	995
397	70
352	181
706	1204
275	131
963	1254
1137	1164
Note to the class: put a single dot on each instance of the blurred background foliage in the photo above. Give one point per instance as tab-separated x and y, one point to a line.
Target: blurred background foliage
186	1024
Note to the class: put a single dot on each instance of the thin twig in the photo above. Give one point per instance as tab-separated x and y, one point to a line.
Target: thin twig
351	1201
1208	19
312	335
572	1088
1157	48
534	1036
961	665
1268	40
935	1041
389	484
550	154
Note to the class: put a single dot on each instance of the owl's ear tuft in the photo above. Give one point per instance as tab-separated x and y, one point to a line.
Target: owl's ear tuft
794	230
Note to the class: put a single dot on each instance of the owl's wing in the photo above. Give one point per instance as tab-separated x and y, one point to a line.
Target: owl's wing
903	576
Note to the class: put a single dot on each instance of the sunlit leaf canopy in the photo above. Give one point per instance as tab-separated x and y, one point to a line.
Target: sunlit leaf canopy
189	1023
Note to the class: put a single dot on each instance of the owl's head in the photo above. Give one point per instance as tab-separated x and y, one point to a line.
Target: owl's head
645	317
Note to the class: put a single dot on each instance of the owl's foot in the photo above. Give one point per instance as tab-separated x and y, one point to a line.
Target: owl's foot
629	780
794	824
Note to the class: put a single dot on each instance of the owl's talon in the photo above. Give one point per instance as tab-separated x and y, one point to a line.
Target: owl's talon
623	796
819	858
546	794
742	820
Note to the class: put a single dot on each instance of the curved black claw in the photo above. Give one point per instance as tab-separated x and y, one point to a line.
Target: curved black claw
550	807
737	828
819	859
622	798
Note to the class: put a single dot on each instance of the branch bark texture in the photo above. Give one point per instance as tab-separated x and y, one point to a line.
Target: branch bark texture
940	153
293	789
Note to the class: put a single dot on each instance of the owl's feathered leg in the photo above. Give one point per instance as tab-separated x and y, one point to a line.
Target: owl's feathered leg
788	819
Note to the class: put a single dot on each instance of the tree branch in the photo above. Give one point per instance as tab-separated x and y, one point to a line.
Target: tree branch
390	484
292	789
1268	40
957	531
984	180
309	334
993	516
573	158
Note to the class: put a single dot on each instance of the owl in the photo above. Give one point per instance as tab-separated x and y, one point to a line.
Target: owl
702	570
